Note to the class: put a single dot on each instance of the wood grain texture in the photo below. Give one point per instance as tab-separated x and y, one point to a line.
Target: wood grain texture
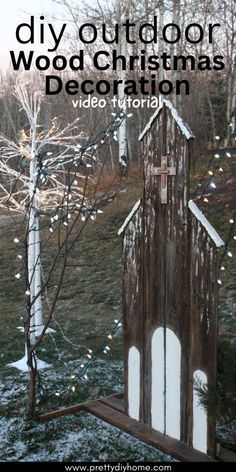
175	448
170	273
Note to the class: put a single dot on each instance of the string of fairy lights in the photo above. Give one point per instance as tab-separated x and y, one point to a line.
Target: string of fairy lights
207	182
213	167
61	214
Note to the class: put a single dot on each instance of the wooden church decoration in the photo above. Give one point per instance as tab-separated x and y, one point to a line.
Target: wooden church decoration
170	254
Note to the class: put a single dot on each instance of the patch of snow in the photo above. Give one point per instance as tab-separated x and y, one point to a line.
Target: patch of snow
129	217
23	366
38	330
150	122
209	228
180	122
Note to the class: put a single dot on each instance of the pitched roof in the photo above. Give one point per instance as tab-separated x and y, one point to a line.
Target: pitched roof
129	217
180	122
209	228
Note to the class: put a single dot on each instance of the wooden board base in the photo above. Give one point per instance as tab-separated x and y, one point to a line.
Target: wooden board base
166	444
111	410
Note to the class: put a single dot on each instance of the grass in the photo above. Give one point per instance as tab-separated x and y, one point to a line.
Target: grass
89	302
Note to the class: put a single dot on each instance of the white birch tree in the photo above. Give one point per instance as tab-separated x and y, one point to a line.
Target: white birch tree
41	178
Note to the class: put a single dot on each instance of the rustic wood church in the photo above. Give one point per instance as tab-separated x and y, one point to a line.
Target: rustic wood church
170	254
170	291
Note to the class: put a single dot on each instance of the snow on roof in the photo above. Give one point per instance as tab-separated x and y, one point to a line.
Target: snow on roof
200	217
149	124
130	215
182	125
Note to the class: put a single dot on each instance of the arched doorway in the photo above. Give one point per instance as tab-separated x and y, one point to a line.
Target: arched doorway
166	369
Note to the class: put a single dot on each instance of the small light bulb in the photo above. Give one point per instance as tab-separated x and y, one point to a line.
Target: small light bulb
20	257
210	172
109	336
16	240
65	223
231	221
234	237
89	356
221	170
73	388
27	292
119	324
105	352
216	156
82	366
217	138
75	182
222	268
51	230
107	348
219	282
206	200
18	276
72	376
90	351
57	394
213	185
116	321
85	377
228	154
230	254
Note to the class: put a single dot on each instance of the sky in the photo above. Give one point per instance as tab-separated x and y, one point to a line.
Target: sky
15	12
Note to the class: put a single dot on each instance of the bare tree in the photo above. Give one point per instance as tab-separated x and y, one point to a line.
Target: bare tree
46	177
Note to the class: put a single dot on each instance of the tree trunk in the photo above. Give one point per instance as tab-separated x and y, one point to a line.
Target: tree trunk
30	327
38	302
121	74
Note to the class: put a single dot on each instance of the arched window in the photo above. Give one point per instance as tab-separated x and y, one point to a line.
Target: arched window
134	383
199	413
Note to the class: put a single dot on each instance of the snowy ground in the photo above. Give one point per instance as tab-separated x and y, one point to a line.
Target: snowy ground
89	303
77	437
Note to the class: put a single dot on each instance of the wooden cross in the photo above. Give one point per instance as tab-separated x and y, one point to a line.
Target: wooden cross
164	171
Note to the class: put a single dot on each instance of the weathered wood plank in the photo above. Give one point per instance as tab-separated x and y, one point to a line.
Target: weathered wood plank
133	304
203	309
114	402
62	411
114	399
170	446
111	410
